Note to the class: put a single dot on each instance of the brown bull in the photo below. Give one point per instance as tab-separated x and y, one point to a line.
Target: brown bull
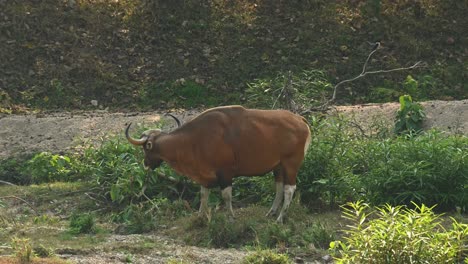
225	142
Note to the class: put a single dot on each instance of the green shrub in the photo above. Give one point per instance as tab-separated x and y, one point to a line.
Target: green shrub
47	167
12	170
117	167
82	223
431	168
318	235
410	116
398	235
266	257
326	173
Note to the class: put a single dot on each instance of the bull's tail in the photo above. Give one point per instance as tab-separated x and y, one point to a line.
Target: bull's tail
309	137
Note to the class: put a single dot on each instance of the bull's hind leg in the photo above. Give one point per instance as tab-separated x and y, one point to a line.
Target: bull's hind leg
279	192
227	197
288	194
291	167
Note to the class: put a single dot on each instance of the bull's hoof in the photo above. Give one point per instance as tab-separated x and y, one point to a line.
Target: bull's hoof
280	219
205	214
270	213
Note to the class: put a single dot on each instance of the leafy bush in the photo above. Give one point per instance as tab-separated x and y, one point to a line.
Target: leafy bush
11	170
410	116
116	166
398	235
82	223
431	168
48	167
326	173
266	257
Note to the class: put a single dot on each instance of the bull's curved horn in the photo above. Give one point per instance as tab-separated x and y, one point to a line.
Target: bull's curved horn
175	118
136	142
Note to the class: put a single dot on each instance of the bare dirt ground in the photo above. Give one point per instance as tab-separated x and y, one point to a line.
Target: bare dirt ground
66	131
69	131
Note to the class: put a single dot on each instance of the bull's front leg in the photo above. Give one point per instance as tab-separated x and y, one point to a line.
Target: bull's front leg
204	194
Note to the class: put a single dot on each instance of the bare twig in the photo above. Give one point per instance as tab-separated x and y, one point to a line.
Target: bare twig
164	176
8	183
22	200
286	87
363	73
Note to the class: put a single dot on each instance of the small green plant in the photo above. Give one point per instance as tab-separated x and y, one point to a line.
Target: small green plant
47	167
128	258
12	170
410	86
276	234
410	116
83	223
22	249
43	251
137	218
266	257
398	235
319	235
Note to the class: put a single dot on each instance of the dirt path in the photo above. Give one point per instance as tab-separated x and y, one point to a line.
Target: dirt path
65	131
164	250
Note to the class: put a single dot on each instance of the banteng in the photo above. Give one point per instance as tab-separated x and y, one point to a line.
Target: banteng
225	142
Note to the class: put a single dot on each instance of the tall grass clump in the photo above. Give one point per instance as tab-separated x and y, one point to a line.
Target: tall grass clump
398	234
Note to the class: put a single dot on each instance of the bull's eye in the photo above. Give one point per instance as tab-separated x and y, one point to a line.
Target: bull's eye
149	145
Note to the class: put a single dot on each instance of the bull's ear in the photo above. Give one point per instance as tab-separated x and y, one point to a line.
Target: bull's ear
149	145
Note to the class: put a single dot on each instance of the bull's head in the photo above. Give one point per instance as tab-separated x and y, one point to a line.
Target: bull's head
148	141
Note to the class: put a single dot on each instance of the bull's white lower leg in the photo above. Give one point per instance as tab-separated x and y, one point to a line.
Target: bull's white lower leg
288	194
227	197
278	199
204	193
